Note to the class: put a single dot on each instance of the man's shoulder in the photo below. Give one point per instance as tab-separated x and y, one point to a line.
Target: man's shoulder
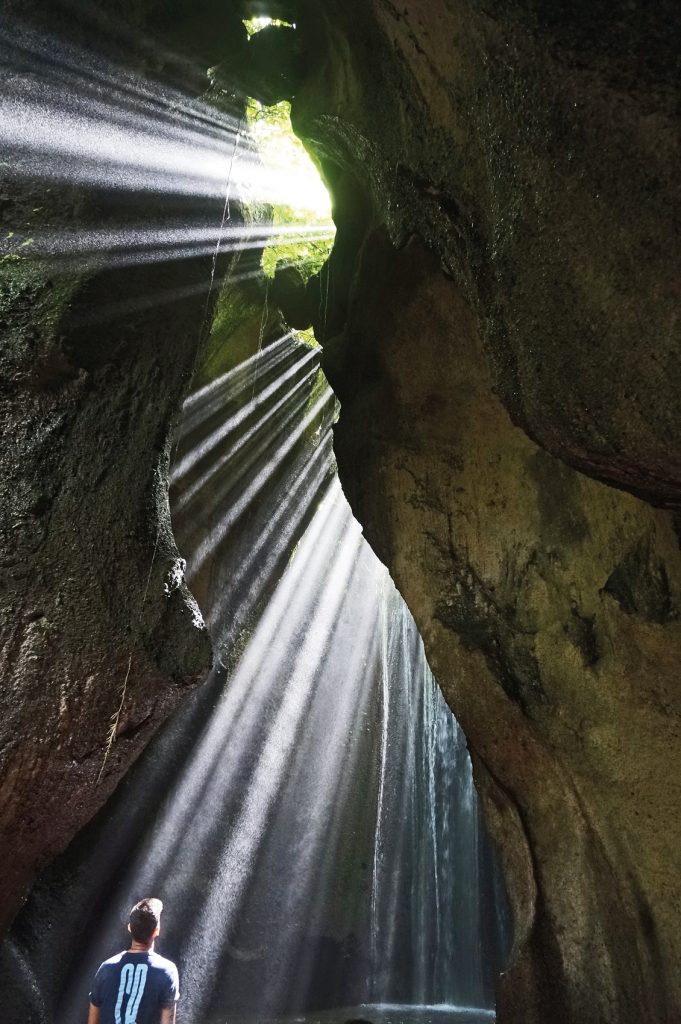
113	961
156	960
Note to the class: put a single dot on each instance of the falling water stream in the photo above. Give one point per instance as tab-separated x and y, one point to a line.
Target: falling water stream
309	816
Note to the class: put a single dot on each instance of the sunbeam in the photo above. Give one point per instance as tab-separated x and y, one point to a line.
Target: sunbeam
156	139
328	756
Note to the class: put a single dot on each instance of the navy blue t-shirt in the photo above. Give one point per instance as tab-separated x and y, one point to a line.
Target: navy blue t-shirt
132	988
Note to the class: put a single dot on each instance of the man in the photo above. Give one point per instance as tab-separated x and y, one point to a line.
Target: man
137	986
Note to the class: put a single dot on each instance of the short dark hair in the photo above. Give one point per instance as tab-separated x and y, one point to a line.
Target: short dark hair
144	919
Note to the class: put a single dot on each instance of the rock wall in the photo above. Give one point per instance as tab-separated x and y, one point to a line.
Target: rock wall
93	595
548	603
97	628
534	150
511	340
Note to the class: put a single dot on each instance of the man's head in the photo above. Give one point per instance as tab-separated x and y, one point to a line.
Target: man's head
145	919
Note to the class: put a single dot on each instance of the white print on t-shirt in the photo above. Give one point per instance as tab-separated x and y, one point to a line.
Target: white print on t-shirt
133	980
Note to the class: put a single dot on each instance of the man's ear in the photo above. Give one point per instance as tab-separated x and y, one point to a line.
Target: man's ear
129	929
156	933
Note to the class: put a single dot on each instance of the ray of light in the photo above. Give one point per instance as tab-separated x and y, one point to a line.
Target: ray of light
226	738
155	140
213	398
277	757
81	249
273	424
60	62
280	750
236	470
218	533
288	382
281	527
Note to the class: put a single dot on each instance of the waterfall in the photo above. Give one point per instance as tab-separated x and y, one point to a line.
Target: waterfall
426	926
309	817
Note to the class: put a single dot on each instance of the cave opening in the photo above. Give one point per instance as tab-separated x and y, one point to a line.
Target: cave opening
309	815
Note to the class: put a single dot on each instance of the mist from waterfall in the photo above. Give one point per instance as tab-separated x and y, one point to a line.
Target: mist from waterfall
309	817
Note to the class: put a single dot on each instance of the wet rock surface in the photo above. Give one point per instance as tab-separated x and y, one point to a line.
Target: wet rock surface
510	341
535	153
98	631
548	603
93	595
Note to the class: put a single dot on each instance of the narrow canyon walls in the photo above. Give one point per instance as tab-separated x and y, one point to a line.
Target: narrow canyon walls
499	318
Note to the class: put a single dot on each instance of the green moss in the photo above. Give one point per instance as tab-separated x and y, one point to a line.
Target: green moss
308	257
33	302
235	331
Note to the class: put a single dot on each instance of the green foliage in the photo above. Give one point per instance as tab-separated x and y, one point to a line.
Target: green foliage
308	257
301	200
254	25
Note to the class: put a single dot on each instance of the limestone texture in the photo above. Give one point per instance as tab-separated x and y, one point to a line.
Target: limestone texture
534	149
95	613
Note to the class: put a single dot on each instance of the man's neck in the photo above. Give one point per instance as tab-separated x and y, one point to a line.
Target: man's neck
140	947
